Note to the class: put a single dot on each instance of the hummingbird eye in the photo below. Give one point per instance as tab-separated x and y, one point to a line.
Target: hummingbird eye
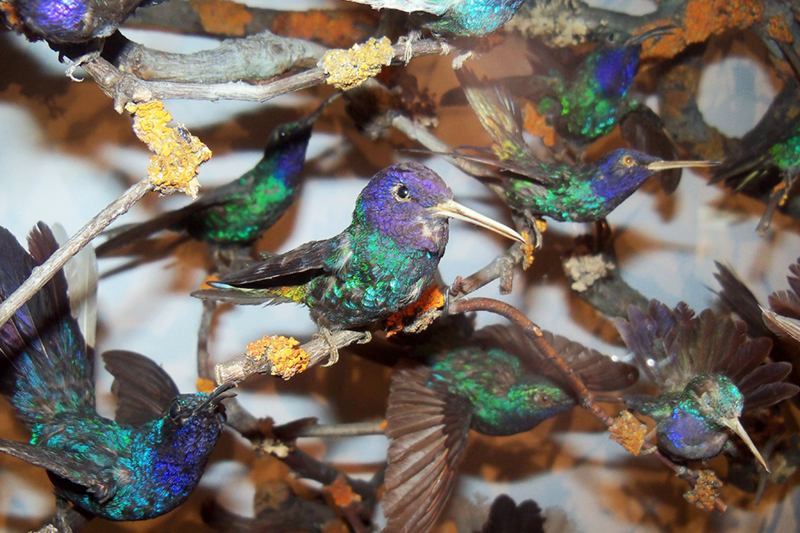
628	161
402	193
174	410
545	399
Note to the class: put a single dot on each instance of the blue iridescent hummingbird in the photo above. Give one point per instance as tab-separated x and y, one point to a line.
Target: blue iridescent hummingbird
234	216
707	374
77	21
468	18
139	466
378	265
768	161
490	382
577	193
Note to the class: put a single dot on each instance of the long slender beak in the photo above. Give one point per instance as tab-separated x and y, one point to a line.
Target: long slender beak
655	32
664	165
737	428
217	395
455	210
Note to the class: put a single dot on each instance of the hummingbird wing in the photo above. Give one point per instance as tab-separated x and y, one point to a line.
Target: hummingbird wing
428	429
64	465
291	268
597	371
144	390
505	516
740	300
762	387
48	366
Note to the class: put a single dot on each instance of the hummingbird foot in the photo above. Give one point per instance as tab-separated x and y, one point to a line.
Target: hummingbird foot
409	40
333	350
778	196
75	64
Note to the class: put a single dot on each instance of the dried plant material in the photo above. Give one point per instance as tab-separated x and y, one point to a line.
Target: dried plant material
585	270
221	17
287	360
527	250
205	385
341	493
346	69
705	491
629	432
536	125
424	311
177	153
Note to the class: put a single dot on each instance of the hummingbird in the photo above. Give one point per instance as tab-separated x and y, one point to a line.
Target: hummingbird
488	382
707	373
466	18
585	192
783	317
378	265
768	160
139	466
235	215
77	21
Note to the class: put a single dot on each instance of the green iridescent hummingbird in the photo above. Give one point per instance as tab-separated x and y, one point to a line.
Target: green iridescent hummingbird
489	382
576	193
139	466
235	215
707	374
378	265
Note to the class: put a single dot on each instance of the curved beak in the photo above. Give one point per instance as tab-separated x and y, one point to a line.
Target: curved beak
453	209
655	32
217	395
737	428
664	165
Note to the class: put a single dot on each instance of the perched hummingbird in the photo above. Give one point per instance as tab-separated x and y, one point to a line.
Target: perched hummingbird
576	193
235	215
77	21
489	383
468	18
769	158
140	466
707	374
380	264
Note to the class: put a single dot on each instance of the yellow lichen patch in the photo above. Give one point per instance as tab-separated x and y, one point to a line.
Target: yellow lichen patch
432	299
628	431
528	248
705	491
286	358
536	125
778	29
205	385
177	153
341	493
350	68
702	19
222	17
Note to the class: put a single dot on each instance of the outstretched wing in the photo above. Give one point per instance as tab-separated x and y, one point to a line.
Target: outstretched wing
428	428
144	390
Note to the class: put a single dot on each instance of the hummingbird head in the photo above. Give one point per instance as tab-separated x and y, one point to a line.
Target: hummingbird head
411	204
198	410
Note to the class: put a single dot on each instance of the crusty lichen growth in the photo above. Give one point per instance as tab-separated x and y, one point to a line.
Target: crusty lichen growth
286	358
422	312
702	19
205	385
177	153
585	270
527	249
222	17
350	68
628	431
341	493
705	491
558	22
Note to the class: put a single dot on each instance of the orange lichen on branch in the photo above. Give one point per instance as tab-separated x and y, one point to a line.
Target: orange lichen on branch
177	153
424	310
205	385
341	493
702	19
350	68
286	358
527	249
536	125
779	30
705	491
628	431
221	17
334	28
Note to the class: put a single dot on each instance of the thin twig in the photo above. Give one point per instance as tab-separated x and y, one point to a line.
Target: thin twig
42	274
335	431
